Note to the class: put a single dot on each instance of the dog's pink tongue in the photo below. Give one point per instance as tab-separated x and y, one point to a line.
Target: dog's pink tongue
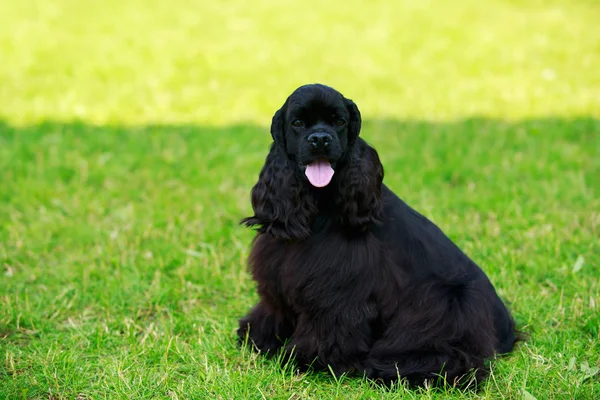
319	173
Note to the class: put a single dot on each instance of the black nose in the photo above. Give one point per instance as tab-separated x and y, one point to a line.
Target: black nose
319	140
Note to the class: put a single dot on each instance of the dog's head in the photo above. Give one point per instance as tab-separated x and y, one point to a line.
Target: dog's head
317	164
315	126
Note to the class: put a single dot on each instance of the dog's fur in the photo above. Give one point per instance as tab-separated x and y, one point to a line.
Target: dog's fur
352	278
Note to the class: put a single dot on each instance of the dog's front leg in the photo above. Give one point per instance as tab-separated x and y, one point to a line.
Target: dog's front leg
266	329
338	338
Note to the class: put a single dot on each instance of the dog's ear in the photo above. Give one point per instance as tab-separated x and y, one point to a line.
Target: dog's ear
358	193
277	126
282	206
355	120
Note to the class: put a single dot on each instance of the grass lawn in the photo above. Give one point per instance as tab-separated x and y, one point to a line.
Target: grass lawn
131	133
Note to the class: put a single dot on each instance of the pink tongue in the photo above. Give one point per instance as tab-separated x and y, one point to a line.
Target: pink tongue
319	173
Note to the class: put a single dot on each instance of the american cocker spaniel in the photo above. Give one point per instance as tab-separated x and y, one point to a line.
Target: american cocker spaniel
349	276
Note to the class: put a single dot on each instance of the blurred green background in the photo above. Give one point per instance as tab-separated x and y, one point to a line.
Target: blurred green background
131	133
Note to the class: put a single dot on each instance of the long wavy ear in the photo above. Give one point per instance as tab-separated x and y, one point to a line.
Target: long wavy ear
358	191
282	206
355	121
277	125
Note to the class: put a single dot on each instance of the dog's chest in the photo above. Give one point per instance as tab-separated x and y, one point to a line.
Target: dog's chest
305	274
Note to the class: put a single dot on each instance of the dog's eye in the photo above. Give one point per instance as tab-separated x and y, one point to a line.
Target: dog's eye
298	123
340	122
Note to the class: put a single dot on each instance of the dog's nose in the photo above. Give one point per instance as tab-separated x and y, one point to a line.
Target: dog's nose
319	140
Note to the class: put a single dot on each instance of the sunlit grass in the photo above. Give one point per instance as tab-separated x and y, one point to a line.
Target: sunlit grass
218	62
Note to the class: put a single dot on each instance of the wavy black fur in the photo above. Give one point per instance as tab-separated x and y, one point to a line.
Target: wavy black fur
349	276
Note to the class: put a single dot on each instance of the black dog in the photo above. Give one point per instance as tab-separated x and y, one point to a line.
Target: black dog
351	277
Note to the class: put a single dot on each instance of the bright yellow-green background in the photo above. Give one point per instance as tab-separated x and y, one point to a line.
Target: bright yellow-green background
224	61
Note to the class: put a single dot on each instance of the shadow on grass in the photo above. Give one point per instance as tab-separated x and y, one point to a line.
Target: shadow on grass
457	167
416	154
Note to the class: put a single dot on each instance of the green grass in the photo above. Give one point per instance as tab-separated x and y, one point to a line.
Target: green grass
132	132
